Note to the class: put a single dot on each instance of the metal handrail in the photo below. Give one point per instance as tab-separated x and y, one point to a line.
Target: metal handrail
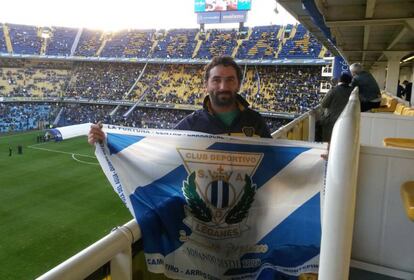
310	115
114	248
340	194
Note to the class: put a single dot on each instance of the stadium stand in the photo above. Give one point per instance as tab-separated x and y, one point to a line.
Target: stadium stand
34	79
217	42
302	45
89	43
95	81
3	47
293	89
263	43
177	43
129	43
25	116
60	41
25	39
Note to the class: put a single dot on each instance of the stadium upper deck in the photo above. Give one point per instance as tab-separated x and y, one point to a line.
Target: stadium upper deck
257	43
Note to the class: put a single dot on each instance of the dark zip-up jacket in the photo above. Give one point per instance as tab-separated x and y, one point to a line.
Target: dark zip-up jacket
247	123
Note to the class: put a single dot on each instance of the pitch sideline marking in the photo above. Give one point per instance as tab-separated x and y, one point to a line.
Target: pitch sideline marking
61	152
82	161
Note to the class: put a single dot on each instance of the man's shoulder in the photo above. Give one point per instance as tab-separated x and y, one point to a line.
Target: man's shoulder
188	122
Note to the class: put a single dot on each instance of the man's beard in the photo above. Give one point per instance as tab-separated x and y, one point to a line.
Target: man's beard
223	99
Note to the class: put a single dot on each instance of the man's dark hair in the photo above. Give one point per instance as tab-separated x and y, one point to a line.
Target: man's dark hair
345	78
225	61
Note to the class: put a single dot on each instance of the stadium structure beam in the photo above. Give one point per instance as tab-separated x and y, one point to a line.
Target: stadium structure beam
369	13
365	22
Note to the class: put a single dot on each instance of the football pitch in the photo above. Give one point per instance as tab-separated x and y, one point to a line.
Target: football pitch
54	201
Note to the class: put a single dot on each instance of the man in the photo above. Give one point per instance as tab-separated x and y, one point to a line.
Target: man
224	110
408	87
334	103
369	92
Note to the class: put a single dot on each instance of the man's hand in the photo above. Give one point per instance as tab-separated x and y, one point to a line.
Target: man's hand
96	134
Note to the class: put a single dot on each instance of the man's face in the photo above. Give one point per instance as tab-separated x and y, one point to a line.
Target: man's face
222	86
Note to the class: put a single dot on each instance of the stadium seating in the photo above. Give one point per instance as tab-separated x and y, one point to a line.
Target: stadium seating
176	43
301	45
96	81
34	79
217	42
61	41
24	116
263	43
3	47
89	43
25	39
129	43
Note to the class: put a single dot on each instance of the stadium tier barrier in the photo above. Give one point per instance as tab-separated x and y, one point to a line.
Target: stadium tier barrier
301	128
115	248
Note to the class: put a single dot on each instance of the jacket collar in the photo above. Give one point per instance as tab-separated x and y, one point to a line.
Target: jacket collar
241	103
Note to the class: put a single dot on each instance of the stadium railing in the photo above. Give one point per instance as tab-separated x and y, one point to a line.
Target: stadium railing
114	248
301	128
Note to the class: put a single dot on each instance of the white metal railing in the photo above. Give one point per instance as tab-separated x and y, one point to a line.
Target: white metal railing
307	120
114	248
340	194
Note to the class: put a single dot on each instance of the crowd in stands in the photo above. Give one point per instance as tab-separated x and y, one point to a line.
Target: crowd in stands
176	43
128	43
25	116
292	89
285	89
16	117
95	81
3	47
263	42
60	41
89	43
26	39
217	42
33	80
301	45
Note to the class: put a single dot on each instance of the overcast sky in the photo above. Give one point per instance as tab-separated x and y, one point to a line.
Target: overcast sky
121	14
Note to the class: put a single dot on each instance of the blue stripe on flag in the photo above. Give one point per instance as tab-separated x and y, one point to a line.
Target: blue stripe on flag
214	193
118	142
274	160
225	199
159	209
302	228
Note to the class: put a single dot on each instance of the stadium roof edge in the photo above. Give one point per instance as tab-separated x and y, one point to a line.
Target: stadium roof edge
360	30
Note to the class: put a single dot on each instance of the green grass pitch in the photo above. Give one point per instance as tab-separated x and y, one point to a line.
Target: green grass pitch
54	201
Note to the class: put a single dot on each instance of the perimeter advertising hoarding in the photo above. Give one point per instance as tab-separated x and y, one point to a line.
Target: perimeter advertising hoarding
201	6
222	17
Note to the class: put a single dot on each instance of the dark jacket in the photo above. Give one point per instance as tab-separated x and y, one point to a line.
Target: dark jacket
334	102
368	87
247	123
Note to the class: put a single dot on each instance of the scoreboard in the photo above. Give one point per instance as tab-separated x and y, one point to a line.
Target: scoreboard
201	6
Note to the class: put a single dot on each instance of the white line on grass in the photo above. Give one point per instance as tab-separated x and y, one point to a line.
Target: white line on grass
56	151
85	162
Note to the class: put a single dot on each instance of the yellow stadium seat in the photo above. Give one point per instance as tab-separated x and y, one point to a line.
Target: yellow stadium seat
407	143
308	276
408	111
390	105
407	196
399	109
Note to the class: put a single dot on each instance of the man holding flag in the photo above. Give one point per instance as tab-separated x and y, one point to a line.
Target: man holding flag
217	207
